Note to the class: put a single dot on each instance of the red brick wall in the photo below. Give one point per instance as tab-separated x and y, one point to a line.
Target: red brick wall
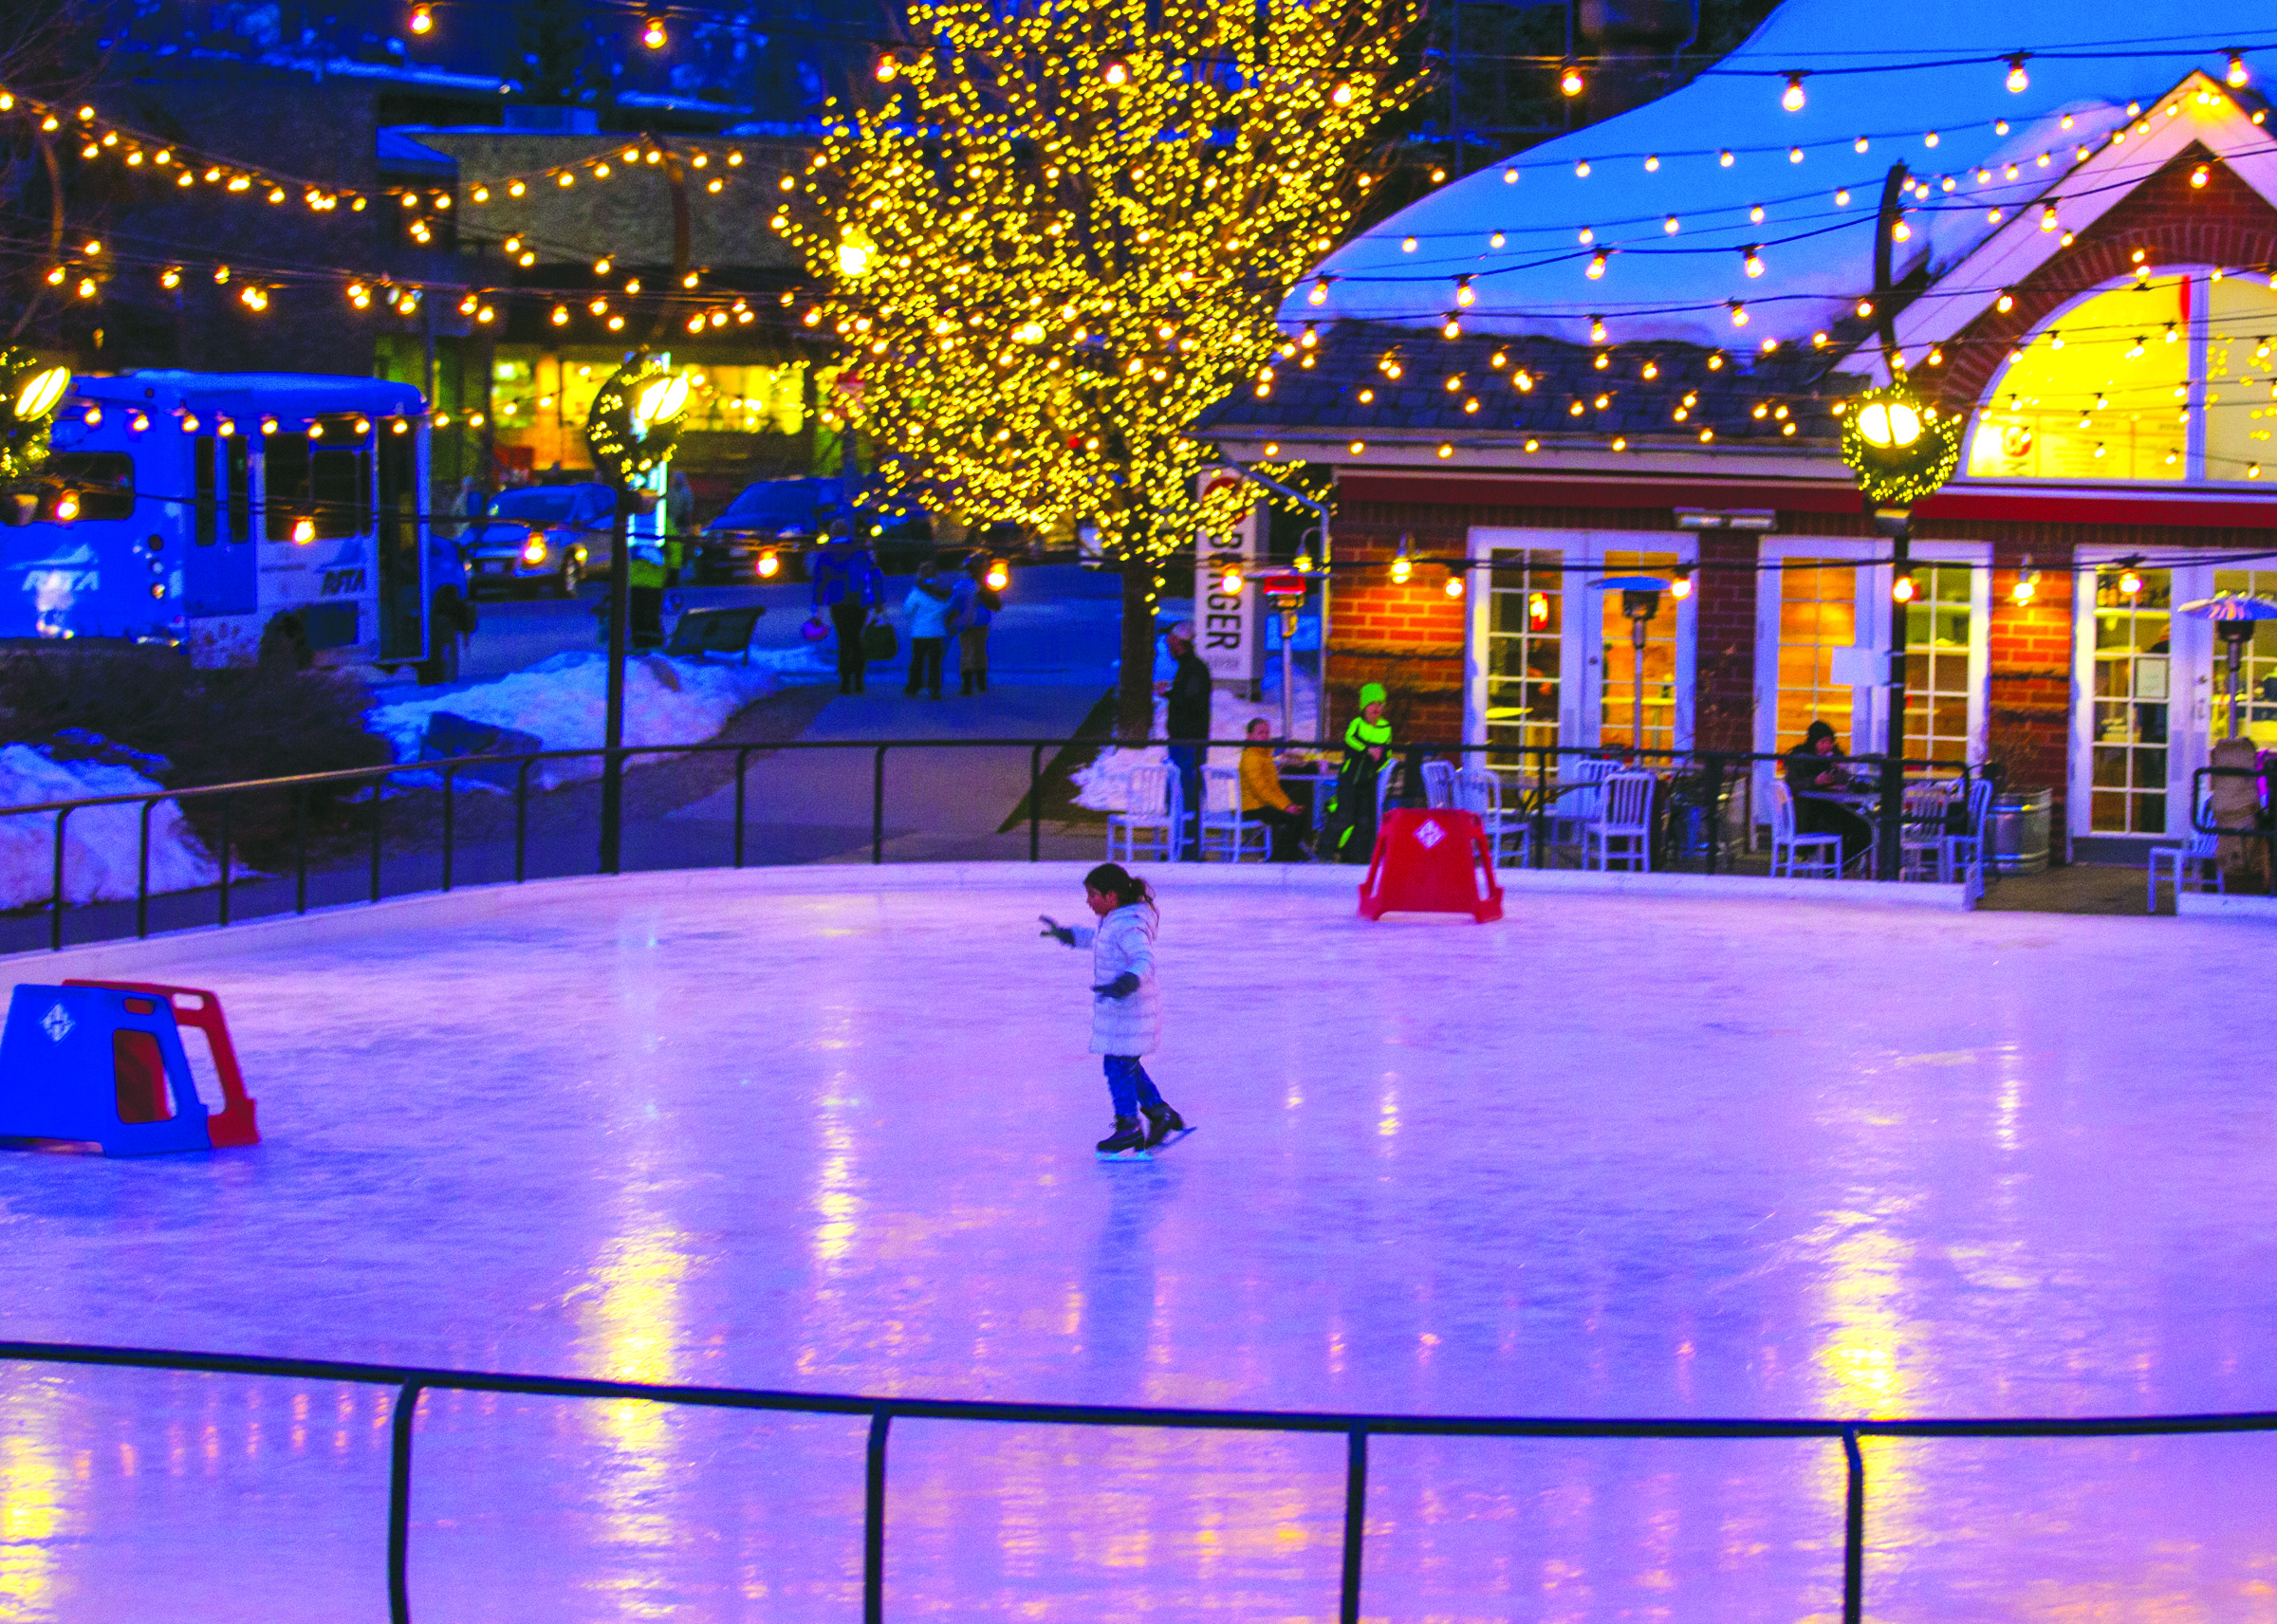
1723	701
1409	637
2028	695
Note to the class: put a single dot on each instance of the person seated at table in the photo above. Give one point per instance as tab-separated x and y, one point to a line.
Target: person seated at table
1812	770
1263	797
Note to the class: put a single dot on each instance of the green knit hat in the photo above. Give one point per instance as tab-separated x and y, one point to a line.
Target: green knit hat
1373	693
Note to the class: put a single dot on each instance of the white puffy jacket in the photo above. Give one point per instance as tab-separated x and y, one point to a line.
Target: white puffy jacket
1124	940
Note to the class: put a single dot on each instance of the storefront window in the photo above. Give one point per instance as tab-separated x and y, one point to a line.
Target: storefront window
1936	663
1617	722
1818	613
2241	378
2257	671
1525	633
2132	693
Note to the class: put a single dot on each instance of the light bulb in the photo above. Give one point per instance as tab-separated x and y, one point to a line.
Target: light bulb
1570	80
422	19
1792	99
769	565
651	33
2018	80
1230	582
1902	589
1753	262
2236	75
1597	267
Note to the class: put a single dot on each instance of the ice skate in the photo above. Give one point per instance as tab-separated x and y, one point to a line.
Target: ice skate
1164	1126
1127	1143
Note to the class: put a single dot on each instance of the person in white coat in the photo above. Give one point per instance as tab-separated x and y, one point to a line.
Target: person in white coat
1127	1008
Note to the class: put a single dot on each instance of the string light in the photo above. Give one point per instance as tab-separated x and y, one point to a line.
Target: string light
651	33
2236	76
2018	80
1753	263
1792	99
422	19
1570	80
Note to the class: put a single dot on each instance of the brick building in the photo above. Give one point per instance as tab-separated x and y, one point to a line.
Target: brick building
2086	274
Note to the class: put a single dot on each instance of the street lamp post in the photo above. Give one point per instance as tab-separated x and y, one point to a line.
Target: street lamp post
635	420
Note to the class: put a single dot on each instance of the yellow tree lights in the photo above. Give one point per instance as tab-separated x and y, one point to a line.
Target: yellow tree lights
1055	236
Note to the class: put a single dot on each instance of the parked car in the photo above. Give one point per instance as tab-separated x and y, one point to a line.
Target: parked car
552	536
786	516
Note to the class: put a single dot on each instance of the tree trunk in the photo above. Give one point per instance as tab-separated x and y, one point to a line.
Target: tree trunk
1135	691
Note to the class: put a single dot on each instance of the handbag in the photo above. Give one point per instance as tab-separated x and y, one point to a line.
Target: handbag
879	642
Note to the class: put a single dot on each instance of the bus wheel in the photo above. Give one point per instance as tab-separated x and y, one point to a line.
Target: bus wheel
285	645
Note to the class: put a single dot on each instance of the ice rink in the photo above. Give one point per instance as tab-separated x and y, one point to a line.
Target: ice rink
1614	1156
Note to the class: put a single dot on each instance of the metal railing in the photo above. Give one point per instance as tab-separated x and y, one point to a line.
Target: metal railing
410	1381
1710	772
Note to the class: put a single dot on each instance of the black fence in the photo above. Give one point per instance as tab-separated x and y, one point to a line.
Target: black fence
1700	781
410	1381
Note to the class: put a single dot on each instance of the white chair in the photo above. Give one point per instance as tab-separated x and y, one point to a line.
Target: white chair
1576	804
1965	851
1229	831
2195	867
1921	849
1438	783
1800	856
1153	817
1509	834
1621	833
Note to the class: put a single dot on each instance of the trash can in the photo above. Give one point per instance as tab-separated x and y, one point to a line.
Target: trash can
2019	831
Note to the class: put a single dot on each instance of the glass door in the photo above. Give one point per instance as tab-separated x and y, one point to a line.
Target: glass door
2257	669
2130	698
1520	653
1664	699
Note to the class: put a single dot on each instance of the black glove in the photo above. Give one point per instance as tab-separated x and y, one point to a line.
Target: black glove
1053	928
1121	986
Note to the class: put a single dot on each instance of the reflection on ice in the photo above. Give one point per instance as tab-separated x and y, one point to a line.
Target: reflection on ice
675	1131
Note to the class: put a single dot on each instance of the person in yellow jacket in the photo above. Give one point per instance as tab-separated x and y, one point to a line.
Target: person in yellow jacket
1263	797
1350	829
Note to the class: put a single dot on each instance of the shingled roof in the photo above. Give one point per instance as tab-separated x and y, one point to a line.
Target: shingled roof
1486	391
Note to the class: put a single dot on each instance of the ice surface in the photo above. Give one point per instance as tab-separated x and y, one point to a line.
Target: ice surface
1608	1157
1818	255
102	844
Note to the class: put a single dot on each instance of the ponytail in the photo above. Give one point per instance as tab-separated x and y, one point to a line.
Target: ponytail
1119	883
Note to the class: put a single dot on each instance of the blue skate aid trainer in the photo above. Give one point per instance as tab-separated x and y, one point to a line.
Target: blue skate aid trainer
102	1064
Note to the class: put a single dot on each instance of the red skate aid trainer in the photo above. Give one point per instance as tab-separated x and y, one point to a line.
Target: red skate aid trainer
1431	861
104	1063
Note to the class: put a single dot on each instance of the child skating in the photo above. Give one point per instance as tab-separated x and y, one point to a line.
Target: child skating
1127	1010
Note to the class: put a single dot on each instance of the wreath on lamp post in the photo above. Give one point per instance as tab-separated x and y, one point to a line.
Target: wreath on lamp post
1901	449
29	393
636	418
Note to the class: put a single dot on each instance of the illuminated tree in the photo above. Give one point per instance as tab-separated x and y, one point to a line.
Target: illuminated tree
1057	232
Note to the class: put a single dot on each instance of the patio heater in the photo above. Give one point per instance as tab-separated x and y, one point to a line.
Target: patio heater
2234	616
1640	602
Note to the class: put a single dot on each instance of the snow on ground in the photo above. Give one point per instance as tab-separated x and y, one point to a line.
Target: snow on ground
564	702
102	844
1104	784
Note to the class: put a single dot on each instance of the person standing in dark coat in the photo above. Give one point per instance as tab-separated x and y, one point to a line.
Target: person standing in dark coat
1187	725
846	587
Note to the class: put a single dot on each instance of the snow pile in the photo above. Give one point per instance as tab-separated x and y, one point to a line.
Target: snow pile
100	843
564	701
1104	784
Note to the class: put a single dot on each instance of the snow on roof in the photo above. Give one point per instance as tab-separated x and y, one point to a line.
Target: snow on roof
1710	156
400	155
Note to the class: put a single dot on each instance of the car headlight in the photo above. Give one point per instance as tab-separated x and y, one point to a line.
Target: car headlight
533	550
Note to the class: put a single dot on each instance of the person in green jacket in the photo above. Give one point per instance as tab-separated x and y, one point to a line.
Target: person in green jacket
1351	819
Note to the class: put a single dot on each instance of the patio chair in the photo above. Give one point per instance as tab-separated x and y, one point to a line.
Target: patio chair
2197	866
1574	805
1229	831
1800	856
1438	783
1622	834
1154	818
1921	853
1965	851
1509	833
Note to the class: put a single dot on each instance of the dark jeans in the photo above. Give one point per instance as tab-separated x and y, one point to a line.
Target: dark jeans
925	664
1130	1086
848	616
1188	759
646	605
1288	828
1815	815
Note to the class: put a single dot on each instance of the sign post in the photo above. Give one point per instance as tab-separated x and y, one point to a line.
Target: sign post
1229	635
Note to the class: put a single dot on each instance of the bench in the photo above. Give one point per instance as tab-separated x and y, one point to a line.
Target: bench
701	632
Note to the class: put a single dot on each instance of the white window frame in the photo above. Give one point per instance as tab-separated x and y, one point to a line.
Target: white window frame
2190	719
1869	702
1581	660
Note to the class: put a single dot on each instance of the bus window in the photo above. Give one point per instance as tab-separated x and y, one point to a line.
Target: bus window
284	483
201	489
327	484
241	489
105	480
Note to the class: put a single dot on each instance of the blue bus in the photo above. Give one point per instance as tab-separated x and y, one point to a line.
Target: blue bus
239	516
